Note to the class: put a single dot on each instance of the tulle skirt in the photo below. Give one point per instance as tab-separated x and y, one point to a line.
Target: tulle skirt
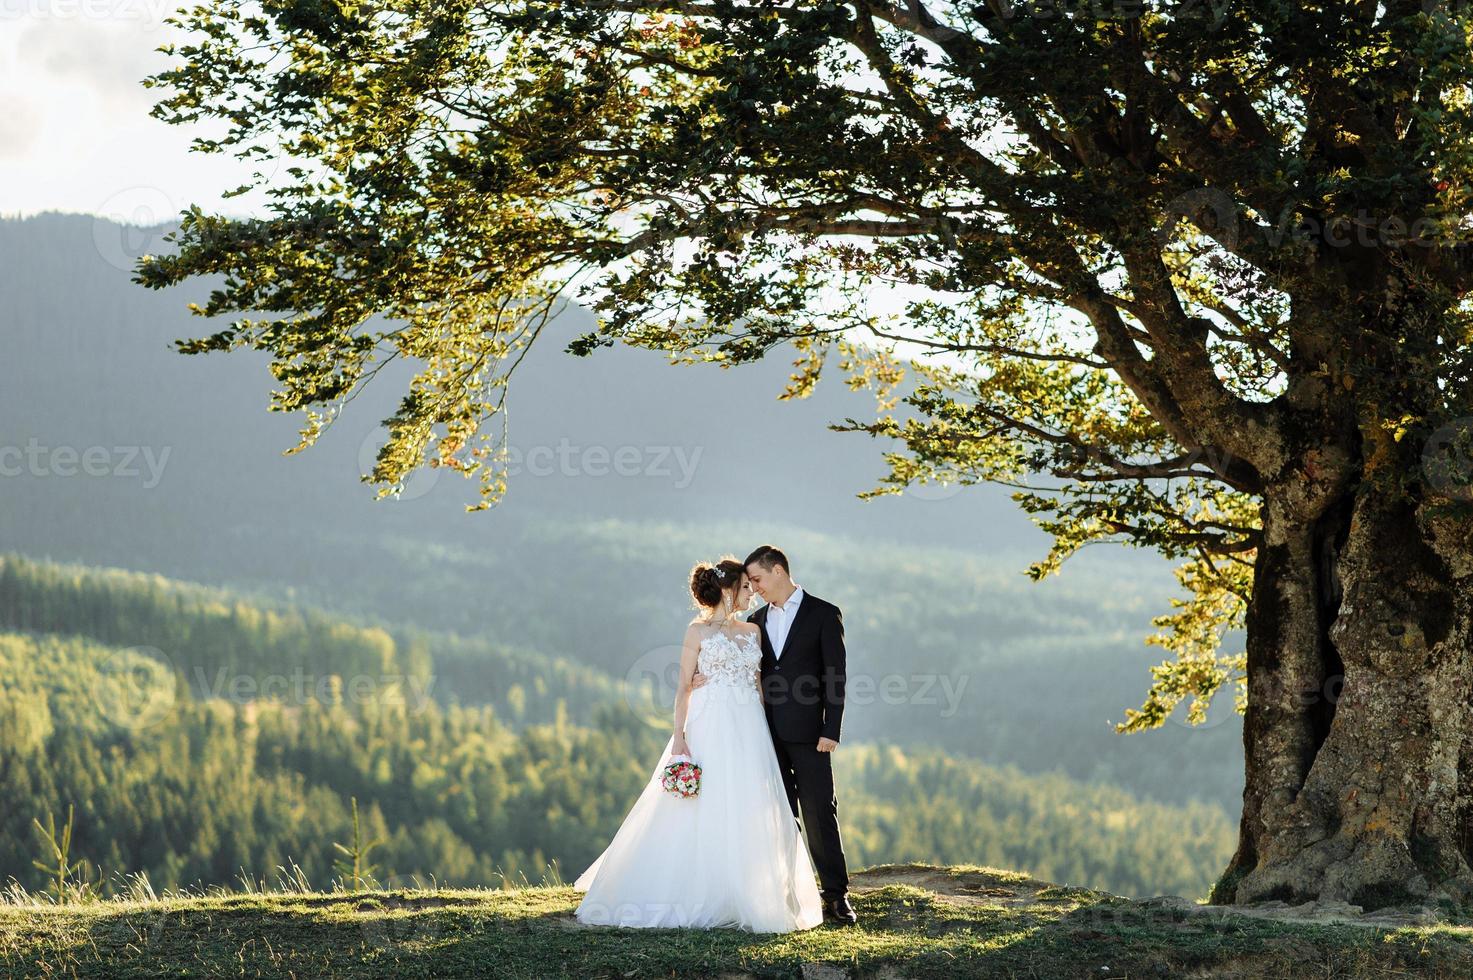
731	856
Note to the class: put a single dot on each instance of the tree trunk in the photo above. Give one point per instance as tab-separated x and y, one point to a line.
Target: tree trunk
1359	724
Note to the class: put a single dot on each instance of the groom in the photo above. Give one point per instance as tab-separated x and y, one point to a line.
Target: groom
803	694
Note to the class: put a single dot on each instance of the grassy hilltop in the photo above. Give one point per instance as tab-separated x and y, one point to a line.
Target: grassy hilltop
915	921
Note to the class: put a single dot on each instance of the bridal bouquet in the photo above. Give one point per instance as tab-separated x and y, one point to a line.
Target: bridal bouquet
682	777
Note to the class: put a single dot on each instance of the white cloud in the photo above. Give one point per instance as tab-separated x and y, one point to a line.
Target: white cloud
20	126
75	134
108	58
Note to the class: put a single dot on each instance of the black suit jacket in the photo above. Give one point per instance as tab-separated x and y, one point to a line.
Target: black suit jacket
803	690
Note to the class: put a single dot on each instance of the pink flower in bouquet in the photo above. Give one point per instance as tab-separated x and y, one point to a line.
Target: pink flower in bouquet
682	777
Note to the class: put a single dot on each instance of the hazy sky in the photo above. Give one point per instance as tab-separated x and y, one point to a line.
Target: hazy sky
75	129
75	134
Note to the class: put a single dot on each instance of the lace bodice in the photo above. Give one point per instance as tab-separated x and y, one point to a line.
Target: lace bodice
725	659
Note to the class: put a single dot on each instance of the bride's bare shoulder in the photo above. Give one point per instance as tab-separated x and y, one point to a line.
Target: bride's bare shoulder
697	627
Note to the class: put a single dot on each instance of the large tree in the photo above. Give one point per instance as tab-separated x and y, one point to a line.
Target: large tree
1203	266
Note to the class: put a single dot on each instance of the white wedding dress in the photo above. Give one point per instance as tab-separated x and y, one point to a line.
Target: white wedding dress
729	856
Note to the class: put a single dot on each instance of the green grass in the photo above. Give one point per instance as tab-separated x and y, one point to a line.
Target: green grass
915	921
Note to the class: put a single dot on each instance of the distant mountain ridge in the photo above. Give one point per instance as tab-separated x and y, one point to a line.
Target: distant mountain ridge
88	366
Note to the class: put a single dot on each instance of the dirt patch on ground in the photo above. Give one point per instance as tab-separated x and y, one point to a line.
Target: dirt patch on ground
1007	889
962	886
1338	913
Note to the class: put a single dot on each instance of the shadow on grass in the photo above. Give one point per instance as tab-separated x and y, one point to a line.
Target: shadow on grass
903	931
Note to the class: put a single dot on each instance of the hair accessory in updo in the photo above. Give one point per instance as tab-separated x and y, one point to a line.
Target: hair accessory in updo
708	581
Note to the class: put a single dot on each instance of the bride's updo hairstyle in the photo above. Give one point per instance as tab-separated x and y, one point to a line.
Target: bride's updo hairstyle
708	581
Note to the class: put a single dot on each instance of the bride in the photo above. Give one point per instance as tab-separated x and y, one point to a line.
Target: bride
732	854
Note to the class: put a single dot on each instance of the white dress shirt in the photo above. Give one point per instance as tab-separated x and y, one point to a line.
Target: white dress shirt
779	618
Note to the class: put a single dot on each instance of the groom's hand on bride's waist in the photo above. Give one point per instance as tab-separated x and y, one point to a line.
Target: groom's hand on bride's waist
697	679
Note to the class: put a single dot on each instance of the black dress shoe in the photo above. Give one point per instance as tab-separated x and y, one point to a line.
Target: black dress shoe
839	912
